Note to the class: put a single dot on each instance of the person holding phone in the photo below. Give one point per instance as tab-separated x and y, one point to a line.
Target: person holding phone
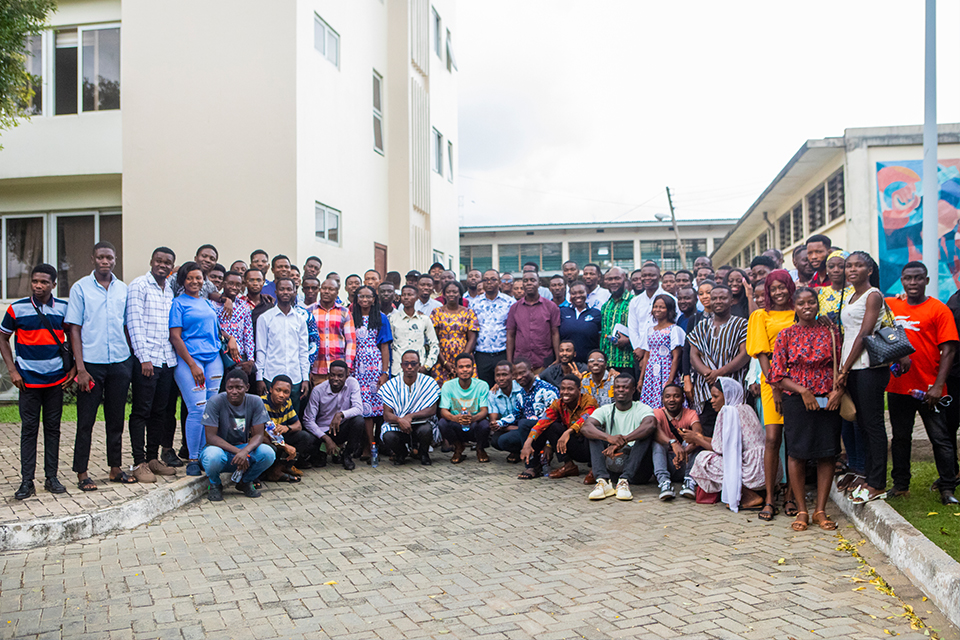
802	364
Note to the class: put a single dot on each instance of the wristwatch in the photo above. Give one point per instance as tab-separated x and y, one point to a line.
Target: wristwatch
672	441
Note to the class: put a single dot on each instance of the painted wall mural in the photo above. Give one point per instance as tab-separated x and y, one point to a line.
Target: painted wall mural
900	200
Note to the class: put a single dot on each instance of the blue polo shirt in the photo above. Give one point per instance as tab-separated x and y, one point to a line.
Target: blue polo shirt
39	362
582	330
102	313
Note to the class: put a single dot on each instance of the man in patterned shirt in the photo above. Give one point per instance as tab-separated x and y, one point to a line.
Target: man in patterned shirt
337	334
616	344
412	331
535	394
492	309
237	321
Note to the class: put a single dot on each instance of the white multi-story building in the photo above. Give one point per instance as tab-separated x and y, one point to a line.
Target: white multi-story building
304	127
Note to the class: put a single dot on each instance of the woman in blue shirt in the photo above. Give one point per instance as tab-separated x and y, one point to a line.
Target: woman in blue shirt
579	323
196	336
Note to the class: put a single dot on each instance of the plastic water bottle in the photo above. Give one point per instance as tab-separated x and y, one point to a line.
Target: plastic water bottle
465	412
272	430
237	476
374	456
896	370
918	394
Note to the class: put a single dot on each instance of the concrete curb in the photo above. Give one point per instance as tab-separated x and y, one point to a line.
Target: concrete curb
927	565
48	531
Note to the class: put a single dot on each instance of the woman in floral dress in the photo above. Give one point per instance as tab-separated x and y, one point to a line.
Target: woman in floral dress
662	347
457	328
372	363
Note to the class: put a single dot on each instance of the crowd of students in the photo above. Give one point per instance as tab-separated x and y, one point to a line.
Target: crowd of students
732	383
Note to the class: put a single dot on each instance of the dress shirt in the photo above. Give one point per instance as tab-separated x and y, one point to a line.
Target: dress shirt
506	406
240	326
102	315
148	321
469	298
412	333
492	315
597	297
324	404
533	324
534	402
282	346
639	317
338	337
426	308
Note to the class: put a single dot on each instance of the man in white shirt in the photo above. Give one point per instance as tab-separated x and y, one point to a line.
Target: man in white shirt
596	295
425	304
639	318
282	343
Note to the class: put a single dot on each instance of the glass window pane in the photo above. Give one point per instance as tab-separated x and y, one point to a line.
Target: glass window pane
65	72
376	92
319	224
24	252
481	257
377	133
600	253
111	230
509	258
74	243
530	253
333	48
333	226
623	254
319	36
450	161
552	256
651	250
580	253
101	69
34	66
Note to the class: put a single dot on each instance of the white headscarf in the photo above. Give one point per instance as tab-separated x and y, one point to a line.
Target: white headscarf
728	423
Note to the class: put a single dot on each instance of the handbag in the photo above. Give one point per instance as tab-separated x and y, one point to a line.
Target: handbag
228	362
888	343
848	410
66	353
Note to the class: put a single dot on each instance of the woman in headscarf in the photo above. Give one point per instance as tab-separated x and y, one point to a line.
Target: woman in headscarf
732	460
764	326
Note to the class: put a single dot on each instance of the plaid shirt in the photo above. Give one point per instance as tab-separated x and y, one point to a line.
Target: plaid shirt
148	321
612	312
338	339
240	326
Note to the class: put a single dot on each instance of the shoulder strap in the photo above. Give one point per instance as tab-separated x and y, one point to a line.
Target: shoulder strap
46	322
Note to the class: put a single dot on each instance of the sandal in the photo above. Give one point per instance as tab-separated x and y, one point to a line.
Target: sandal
87	484
825	522
798	524
767	515
286	477
790	511
482	456
530	474
846	481
513	458
457	458
123	478
862	495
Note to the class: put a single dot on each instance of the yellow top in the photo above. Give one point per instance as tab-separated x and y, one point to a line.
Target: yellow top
764	327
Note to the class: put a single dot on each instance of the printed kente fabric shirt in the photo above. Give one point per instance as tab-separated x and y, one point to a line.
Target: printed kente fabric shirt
558	411
492	315
534	403
240	326
615	311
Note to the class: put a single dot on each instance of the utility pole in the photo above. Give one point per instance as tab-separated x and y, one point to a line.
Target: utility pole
931	182
676	230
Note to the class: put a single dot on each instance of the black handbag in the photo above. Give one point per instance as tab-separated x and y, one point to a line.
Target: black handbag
65	351
888	343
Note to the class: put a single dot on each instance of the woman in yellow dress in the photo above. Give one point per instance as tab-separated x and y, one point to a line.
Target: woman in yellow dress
762	330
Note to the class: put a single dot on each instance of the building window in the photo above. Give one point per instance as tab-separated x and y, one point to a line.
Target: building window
378	112
580	253
326	41
327	224
623	254
478	257
835	204
798	222
65	72
451	59
816	214
762	243
33	63
437	34
86	69
101	69
438	256
666	254
450	161
784	228
547	256
436	152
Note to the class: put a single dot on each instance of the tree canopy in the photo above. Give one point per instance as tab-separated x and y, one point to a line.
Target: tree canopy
18	20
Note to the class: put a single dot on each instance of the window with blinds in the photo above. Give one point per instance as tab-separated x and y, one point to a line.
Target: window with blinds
797	215
784	228
835	208
816	209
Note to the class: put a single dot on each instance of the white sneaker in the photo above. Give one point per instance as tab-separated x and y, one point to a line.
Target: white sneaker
623	490
604	489
666	491
689	489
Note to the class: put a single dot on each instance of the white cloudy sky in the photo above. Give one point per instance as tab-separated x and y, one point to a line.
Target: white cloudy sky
581	110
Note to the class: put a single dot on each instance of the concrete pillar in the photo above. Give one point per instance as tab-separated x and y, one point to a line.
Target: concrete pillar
565	250
495	255
860	201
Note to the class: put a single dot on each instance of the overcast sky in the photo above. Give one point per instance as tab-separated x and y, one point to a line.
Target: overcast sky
577	110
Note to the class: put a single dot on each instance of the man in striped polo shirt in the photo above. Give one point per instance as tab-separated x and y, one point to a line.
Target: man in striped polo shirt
39	375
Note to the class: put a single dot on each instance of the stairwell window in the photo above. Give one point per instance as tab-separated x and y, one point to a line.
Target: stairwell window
326	41
378	112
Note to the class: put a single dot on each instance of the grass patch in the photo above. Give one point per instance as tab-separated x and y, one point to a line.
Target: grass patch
943	526
11	413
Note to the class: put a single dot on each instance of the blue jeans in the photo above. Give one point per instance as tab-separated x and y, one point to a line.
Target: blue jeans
512	441
197	400
215	461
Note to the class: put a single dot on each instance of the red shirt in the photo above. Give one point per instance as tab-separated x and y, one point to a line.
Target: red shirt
686	420
532	324
928	325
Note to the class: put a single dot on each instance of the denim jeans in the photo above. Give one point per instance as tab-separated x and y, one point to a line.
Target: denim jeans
196	399
512	441
661	467
215	461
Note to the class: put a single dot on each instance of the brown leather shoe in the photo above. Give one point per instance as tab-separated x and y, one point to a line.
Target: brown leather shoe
160	469
590	479
565	471
143	473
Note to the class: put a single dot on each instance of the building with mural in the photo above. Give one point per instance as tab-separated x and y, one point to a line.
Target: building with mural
863	190
622	244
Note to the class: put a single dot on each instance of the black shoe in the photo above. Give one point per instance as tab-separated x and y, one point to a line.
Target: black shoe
247	489
303	463
947	497
319	460
425	459
399	460
348	463
215	493
184	452
25	491
53	486
169	458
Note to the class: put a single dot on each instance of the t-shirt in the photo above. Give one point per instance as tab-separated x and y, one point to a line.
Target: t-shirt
621	423
928	325
455	398
686	419
234	423
197	320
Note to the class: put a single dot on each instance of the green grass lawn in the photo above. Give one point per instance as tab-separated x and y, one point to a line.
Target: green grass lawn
11	413
924	511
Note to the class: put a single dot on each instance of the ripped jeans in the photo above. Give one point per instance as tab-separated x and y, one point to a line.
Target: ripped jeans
196	398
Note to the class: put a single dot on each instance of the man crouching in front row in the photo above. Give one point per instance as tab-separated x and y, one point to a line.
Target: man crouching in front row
234	423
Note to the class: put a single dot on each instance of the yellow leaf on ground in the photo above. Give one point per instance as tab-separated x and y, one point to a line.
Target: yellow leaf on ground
331	582
933	513
781	560
858	588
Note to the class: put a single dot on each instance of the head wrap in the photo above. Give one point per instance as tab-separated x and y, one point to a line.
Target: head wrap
838	254
782	276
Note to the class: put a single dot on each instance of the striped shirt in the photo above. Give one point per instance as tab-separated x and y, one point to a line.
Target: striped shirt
148	320
285	415
717	347
613	312
39	362
404	399
337	336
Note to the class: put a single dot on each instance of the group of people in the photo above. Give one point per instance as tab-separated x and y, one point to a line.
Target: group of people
727	382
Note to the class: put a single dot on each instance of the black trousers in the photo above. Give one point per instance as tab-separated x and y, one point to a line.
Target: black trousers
943	438
487	363
578	449
454	433
33	402
350	436
148	413
111	382
866	388
397	442
303	441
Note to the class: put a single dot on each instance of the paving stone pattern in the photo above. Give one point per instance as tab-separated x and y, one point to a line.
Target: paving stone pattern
444	552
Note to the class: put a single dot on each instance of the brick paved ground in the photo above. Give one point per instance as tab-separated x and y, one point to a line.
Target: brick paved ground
447	552
75	501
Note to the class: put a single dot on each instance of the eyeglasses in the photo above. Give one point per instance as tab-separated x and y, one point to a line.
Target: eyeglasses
409	364
593	360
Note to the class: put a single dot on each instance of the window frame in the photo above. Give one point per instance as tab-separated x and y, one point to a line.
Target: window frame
378	114
450	161
317	20
436	145
451	58
327	210
48	49
437	44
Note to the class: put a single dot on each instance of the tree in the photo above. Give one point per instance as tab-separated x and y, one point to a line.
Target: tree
18	20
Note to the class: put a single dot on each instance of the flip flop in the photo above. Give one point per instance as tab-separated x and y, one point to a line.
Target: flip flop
767	517
123	478
87	484
286	477
529	474
862	496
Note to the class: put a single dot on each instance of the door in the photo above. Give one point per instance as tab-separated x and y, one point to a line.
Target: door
380	258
